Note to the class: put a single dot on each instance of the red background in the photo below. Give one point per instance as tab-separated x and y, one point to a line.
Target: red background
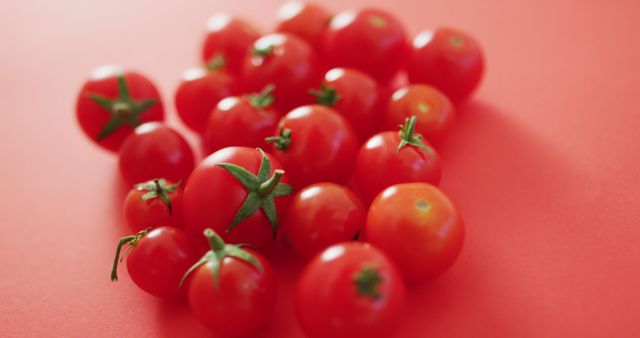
542	163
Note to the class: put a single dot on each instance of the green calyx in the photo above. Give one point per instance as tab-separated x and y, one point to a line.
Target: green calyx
409	137
367	282
215	63
124	109
132	241
220	250
262	52
157	188
326	96
262	191
282	141
263	99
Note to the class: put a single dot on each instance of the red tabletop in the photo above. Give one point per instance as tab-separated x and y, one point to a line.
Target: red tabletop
543	163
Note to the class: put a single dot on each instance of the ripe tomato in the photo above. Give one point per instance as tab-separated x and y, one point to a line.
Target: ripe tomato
155	150
199	92
113	102
448	59
370	40
241	121
232	290
305	20
229	37
154	203
321	215
356	95
315	144
433	109
390	158
350	290
418	227
286	61
157	259
236	191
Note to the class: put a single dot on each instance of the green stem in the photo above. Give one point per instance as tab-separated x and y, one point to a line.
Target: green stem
114	269
267	187
215	242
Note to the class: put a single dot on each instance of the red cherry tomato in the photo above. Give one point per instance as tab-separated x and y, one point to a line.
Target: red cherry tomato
433	109
315	144
350	290
418	227
390	158
448	59
236	192
232	290
198	94
356	95
157	260
241	121
155	150
286	61
321	215
305	20
370	40
113	102
229	37
153	204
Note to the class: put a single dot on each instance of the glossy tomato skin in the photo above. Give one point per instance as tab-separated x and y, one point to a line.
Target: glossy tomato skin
308	21
289	63
243	301
155	150
198	94
236	122
160	259
103	81
152	213
327	300
323	146
448	59
379	165
433	110
360	99
370	40
418	227
321	215
213	196
230	37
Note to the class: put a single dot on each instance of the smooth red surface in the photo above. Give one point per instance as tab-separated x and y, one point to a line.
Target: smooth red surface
542	163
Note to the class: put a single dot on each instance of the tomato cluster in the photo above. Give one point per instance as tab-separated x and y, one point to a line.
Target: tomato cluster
302	149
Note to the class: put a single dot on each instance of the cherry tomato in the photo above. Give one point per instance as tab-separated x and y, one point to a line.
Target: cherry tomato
418	227
154	203
433	109
157	260
321	215
237	192
286	61
199	92
113	102
305	20
356	95
229	37
448	59
350	290
232	290
155	150
370	40
315	144
241	121
391	157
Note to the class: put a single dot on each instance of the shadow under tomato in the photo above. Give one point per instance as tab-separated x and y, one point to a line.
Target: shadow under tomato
503	177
